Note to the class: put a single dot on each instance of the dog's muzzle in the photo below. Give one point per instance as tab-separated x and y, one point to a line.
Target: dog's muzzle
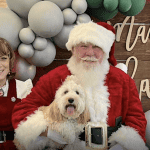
70	108
96	135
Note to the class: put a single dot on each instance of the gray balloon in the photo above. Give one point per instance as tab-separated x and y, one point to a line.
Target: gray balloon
62	38
62	4
83	18
69	16
45	57
21	7
24	70
25	51
79	6
10	26
26	35
40	43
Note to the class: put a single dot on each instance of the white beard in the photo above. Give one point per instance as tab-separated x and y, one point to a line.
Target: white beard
91	76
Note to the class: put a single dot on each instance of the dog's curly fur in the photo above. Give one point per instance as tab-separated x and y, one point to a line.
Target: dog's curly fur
70	94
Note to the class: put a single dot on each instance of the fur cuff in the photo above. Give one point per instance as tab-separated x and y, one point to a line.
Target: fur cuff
129	138
31	128
122	66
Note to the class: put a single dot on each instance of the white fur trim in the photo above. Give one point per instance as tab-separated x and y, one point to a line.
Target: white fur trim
93	33
31	128
122	66
23	88
129	138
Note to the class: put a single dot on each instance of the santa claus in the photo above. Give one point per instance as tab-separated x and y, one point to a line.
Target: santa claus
111	93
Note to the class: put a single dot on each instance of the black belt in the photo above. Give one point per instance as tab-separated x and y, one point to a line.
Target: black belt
96	138
6	135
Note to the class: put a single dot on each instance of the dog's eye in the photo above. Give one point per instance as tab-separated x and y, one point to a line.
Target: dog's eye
65	92
77	92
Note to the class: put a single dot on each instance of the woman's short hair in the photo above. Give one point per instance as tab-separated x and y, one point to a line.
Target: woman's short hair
5	49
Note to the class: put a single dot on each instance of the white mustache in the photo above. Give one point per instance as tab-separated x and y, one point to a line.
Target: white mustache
89	58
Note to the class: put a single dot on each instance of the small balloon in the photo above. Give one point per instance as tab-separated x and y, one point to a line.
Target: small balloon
26	35
62	37
83	18
124	6
45	19
21	7
101	13
147	136
45	57
69	16
79	6
10	26
24	70
110	5
94	3
25	51
62	4
136	8
40	43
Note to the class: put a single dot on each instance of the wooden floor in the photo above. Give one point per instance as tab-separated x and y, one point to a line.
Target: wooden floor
3	3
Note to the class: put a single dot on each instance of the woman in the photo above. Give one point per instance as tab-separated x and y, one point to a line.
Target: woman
11	92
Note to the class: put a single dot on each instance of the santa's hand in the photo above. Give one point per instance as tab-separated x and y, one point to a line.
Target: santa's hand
117	147
56	137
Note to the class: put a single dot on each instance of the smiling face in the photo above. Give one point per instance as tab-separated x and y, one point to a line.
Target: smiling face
88	54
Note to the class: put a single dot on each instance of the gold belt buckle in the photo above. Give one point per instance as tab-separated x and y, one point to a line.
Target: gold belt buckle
88	135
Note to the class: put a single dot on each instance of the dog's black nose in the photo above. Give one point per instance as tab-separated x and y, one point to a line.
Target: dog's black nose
71	100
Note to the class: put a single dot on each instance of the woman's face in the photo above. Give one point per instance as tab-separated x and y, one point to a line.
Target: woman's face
4	68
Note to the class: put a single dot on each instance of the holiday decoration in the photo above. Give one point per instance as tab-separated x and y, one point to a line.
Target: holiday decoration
45	19
26	35
110	5
26	51
95	3
124	6
21	7
40	43
147	115
62	38
44	57
24	70
10	25
69	16
83	18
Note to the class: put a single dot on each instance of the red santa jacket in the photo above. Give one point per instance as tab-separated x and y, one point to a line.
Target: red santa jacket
124	101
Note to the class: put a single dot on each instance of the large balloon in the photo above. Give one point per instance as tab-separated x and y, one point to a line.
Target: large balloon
21	7
79	6
45	57
136	8
62	3
147	136
69	16
101	13
62	38
94	3
24	70
10	25
46	19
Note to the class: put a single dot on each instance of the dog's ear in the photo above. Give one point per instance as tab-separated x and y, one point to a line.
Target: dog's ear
84	117
54	114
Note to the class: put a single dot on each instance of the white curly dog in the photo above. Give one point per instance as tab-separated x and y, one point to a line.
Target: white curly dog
67	116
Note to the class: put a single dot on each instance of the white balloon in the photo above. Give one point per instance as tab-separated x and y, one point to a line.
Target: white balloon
83	18
26	35
147	136
25	51
79	6
45	57
62	3
24	70
62	37
10	26
40	43
69	16
21	7
46	19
